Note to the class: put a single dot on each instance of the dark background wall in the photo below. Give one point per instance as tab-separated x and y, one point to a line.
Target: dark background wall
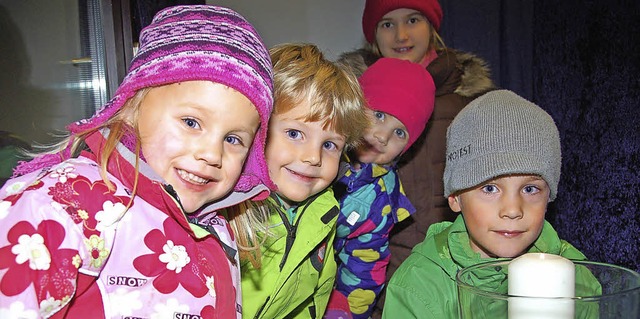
580	61
586	73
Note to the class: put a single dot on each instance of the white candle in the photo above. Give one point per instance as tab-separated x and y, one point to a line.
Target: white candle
541	275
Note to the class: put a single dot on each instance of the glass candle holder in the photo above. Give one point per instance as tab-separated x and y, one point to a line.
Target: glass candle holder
601	291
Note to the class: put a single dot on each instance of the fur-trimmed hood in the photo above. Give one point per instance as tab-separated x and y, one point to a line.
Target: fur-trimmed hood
475	75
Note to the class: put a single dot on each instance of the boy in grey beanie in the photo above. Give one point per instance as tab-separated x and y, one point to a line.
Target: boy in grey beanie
499	134
502	169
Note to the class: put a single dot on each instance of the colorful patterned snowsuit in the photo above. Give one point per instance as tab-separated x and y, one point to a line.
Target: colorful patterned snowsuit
373	201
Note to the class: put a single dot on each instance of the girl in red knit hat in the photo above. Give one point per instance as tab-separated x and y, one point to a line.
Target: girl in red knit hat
400	98
408	30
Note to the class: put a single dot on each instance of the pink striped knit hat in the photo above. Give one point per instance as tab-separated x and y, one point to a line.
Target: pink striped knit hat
189	43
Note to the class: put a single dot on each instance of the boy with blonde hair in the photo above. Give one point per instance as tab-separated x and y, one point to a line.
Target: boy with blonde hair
318	112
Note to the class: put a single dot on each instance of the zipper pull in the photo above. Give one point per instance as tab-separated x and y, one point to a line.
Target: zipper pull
169	189
261	308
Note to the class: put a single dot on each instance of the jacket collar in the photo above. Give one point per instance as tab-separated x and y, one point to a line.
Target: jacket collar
458	238
367	173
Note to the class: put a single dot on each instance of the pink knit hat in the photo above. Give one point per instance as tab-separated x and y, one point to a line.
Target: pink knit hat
190	43
374	10
403	89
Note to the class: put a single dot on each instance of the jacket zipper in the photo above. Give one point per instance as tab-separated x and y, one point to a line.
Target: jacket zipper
292	229
291	236
262	308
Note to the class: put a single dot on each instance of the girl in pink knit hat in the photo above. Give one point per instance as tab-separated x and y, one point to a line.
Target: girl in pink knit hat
408	30
121	218
400	98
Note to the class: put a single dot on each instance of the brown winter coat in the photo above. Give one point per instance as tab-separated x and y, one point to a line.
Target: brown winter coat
459	78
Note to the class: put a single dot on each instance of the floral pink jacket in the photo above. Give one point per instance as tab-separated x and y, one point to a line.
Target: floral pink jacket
69	248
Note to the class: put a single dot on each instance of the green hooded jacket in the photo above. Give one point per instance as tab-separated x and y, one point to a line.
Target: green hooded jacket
298	265
424	286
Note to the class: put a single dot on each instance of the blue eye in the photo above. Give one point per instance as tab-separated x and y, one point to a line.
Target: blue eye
530	189
294	134
378	115
233	140
329	146
191	123
489	188
400	133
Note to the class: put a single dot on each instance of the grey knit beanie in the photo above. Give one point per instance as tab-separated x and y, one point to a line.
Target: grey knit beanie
501	133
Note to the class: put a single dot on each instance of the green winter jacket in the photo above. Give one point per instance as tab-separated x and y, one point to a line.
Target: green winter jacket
424	286
298	265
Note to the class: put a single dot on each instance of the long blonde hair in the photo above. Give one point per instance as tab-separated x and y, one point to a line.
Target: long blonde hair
249	220
119	125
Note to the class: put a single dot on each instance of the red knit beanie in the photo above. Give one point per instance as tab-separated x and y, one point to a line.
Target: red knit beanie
374	10
403	89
